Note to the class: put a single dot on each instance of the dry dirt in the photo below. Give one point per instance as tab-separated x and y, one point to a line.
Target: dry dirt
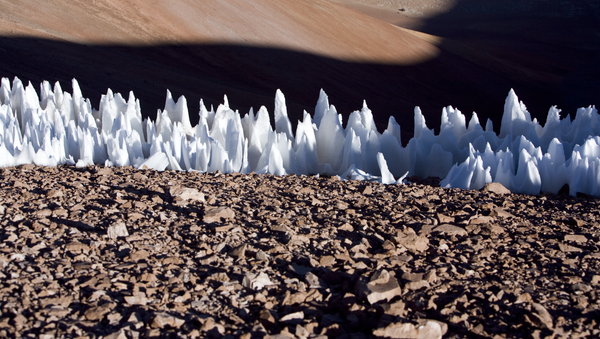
121	253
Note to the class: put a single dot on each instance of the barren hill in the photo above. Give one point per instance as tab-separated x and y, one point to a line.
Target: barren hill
204	49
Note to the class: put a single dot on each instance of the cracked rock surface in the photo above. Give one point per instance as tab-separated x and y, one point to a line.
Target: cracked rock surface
122	253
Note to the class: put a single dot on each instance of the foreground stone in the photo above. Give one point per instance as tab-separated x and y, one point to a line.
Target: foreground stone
119	253
382	286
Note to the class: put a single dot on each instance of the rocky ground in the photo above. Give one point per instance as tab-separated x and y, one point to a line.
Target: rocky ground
120	253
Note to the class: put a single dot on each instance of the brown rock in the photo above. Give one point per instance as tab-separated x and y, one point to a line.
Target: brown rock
431	276
293	318
499	212
219	276
417	285
77	247
139	255
46	212
576	222
118	229
540	316
579	238
431	329
568	248
481	219
239	252
97	313
383	287
280	228
301	331
327	260
147	277
298	298
346	227
450	230
262	256
298	240
494	229
314	281
172	260
444	219
581	287
266	318
495	187
120	334
380	277
524	298
398	330
162	320
210	325
104	171
135	216
186	193
224	228
20	321
62	301
412	276
394	309
114	318
413	242
256	281
215	214
55	194
138	298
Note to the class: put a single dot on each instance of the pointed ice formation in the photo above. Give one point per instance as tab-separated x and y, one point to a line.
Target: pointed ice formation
57	128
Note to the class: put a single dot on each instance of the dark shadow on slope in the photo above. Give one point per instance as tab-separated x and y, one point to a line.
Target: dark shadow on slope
250	76
548	50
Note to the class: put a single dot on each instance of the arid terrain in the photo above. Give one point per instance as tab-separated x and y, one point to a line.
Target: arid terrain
121	253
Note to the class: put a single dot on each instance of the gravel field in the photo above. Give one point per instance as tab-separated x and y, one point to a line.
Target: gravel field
121	253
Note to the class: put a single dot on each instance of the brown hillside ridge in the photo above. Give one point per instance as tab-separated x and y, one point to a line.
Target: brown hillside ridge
316	26
205	49
122	253
432	54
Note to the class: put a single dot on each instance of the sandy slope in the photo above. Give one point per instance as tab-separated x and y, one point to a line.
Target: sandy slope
204	49
472	56
318	27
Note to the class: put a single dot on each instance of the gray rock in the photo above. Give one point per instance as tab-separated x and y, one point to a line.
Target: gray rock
413	242
495	187
186	193
314	281
379	289
450	230
579	238
293	318
540	316
118	229
162	320
397	330
256	281
215	214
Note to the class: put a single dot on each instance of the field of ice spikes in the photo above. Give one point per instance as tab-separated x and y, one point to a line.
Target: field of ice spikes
56	127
